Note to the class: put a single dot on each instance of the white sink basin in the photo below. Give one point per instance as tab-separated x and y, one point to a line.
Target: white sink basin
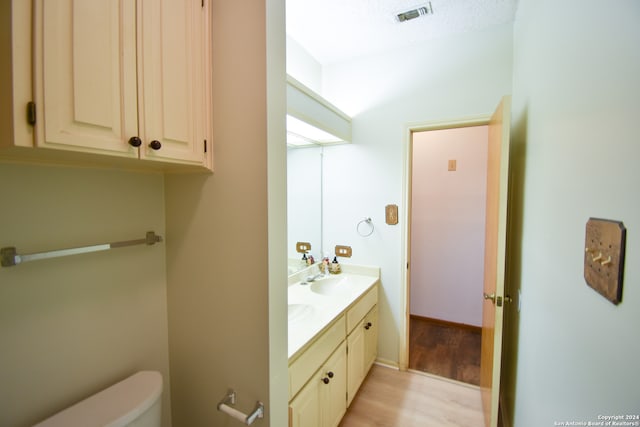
330	286
299	312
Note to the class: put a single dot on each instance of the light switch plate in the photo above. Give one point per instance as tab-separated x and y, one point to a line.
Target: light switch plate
391	214
605	242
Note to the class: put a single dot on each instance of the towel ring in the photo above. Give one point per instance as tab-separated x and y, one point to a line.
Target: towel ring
367	221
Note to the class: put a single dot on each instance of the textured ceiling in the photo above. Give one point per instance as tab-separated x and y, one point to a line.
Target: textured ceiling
333	30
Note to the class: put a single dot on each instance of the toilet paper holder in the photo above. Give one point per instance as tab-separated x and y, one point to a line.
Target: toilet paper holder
230	399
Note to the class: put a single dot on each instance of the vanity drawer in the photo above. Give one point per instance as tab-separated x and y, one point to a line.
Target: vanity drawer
361	308
315	356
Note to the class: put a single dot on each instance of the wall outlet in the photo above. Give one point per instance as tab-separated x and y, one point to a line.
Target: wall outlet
343	251
303	247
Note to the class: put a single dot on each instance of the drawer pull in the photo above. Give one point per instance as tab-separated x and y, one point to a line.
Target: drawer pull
330	374
326	380
135	141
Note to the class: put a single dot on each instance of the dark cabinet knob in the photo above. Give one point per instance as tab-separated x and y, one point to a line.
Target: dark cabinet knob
325	380
330	374
368	325
155	145
135	141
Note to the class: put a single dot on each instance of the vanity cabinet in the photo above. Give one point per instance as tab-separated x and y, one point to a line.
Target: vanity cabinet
327	373
315	355
116	79
322	403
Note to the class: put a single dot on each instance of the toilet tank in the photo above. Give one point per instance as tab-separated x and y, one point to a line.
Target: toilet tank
133	402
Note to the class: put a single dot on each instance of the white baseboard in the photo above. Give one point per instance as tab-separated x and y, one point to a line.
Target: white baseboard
387	363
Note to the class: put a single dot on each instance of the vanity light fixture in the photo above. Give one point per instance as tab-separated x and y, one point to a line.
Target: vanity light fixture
295	140
312	120
300	133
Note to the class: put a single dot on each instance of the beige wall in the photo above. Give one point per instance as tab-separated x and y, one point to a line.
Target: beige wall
226	234
72	326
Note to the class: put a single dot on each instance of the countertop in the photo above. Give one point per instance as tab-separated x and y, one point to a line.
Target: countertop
310	312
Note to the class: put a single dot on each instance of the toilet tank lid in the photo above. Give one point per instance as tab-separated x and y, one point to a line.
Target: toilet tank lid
115	406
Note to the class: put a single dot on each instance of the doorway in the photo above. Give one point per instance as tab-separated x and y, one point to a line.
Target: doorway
495	248
447	222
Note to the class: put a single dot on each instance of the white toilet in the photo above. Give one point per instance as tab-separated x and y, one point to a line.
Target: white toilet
133	402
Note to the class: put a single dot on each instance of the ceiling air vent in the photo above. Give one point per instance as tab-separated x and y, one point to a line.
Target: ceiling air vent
408	15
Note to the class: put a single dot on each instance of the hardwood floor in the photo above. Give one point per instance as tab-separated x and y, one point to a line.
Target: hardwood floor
390	398
445	349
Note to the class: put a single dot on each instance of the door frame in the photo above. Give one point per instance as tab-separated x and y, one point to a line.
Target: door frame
405	289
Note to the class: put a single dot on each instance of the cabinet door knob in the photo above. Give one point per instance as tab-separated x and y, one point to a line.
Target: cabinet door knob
368	325
330	374
135	141
325	380
155	145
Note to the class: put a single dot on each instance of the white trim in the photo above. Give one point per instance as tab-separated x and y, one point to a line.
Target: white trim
387	364
445	379
407	131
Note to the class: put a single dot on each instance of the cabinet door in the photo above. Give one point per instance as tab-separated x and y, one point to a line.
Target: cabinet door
304	410
371	339
355	360
85	75
333	397
174	91
363	349
323	401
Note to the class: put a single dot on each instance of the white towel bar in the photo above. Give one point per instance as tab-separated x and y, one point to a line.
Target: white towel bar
9	256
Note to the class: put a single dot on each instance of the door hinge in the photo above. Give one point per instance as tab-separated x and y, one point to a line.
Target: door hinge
205	145
31	113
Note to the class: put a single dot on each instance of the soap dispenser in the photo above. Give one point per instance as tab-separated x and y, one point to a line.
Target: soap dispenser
335	266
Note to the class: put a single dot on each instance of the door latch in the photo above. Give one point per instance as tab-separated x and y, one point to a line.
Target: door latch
491	297
497	300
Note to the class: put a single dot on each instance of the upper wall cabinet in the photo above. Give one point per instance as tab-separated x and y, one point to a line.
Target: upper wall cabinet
123	78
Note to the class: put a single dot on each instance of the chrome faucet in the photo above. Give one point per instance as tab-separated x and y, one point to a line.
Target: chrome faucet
314	277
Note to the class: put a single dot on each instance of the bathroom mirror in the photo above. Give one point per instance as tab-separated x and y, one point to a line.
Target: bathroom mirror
312	122
304	203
